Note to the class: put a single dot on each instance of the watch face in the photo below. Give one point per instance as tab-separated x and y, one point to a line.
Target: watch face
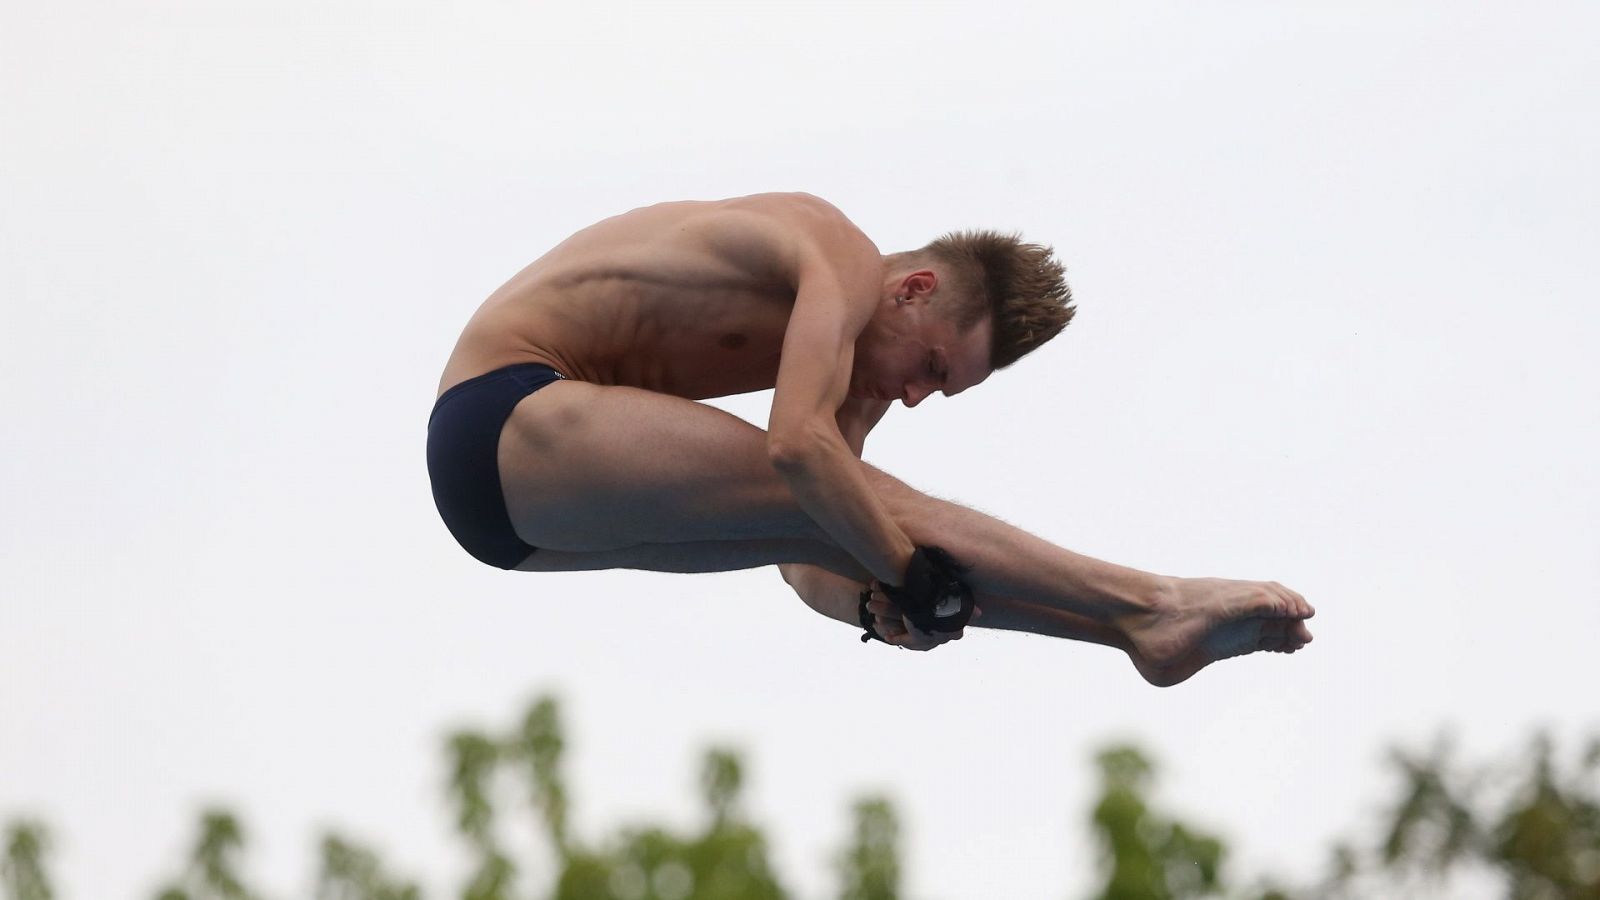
948	605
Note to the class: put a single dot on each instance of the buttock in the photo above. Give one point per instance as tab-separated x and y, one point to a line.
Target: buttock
463	441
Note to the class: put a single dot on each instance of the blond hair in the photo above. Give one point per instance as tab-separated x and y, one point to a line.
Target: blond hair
1022	286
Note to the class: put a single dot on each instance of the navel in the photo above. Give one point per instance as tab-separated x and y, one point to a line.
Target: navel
732	341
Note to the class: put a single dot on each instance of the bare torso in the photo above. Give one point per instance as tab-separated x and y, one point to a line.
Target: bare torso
687	298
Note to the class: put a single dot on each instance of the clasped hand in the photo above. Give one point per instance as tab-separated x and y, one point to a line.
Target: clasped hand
893	626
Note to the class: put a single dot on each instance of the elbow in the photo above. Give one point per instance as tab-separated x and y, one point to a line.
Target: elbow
801	447
788	452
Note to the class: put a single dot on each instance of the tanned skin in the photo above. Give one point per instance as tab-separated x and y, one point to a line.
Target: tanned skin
618	467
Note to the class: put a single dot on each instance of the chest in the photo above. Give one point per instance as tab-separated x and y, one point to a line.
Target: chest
720	349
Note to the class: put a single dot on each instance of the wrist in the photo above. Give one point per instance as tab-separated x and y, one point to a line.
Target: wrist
900	559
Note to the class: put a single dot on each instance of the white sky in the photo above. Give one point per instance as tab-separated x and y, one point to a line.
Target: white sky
1337	278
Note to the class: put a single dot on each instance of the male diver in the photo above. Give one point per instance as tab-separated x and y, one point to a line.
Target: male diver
566	435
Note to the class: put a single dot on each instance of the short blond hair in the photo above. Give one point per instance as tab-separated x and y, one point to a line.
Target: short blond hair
1021	286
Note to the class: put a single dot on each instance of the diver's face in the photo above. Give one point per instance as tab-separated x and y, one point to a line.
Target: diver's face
910	350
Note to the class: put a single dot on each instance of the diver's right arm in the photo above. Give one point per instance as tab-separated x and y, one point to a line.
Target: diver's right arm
839	285
836	596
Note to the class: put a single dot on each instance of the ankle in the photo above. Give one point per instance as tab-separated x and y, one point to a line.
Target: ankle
1161	595
1152	598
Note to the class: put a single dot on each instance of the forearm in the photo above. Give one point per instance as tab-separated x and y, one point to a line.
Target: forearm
831	485
832	595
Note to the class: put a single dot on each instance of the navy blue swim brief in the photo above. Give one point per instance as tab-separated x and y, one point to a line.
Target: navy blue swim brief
463	463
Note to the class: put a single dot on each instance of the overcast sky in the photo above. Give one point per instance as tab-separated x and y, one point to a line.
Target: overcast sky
1337	279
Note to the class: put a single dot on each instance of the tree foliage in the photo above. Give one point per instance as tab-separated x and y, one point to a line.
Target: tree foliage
1533	824
352	872
22	871
1145	855
726	858
869	868
212	872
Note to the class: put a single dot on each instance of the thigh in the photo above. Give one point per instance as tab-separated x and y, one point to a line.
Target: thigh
588	468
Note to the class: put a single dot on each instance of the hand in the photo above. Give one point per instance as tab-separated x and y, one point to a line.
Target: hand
893	626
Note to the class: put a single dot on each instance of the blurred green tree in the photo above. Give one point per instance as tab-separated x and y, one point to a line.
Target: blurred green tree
727	859
538	746
1531	824
869	868
351	872
22	872
213	869
474	759
1144	855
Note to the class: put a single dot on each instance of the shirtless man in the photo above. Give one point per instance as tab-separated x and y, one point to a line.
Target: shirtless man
566	437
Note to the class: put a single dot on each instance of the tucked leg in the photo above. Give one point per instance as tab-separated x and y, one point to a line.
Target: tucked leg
666	483
590	468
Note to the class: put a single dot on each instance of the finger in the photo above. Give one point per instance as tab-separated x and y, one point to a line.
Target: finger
904	641
883	608
914	631
891	637
909	637
931	637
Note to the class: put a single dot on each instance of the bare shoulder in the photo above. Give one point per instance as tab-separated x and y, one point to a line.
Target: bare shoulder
805	232
812	218
787	204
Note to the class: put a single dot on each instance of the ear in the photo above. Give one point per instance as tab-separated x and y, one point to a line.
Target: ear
919	284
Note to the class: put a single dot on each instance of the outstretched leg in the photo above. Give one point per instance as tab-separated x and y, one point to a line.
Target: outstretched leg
592	469
837	596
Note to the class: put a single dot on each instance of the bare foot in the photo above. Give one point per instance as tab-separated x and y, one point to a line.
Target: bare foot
1201	620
